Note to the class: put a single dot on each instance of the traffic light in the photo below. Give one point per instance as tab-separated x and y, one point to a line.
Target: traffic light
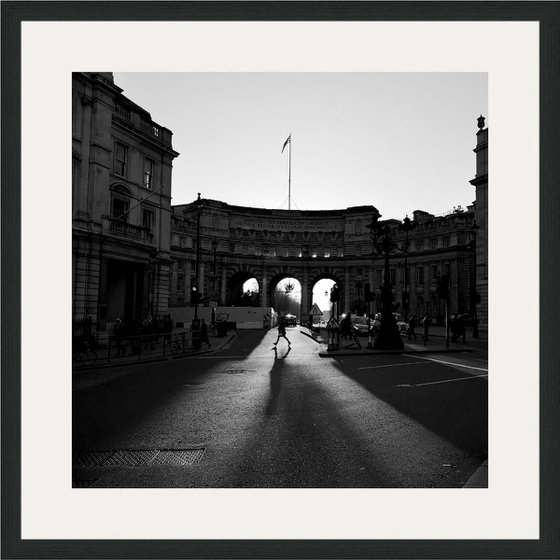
443	287
335	293
196	296
368	294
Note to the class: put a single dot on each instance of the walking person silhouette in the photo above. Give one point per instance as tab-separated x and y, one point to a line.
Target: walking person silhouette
282	331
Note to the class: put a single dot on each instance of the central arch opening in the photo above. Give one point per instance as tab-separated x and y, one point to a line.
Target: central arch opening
322	298
287	297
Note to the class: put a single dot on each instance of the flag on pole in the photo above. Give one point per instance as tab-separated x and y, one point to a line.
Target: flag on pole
288	141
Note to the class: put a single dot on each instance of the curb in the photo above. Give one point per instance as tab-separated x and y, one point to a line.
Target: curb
370	352
155	359
480	477
316	338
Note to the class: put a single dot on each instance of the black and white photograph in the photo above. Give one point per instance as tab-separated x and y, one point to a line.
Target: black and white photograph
280	280
259	300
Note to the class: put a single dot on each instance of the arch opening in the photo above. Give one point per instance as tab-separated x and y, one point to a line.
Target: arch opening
321	298
243	290
287	297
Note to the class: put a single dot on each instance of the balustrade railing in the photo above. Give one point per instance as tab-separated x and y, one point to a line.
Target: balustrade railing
124	229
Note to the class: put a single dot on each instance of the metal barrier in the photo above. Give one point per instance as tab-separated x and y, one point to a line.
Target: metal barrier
132	348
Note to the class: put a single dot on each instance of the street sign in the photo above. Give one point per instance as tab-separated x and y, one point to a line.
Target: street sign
333	324
315	310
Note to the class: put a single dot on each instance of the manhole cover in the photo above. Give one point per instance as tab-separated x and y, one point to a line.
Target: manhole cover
90	459
178	458
84	483
137	458
130	458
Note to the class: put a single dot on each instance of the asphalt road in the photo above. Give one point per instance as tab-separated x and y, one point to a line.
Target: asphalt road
287	419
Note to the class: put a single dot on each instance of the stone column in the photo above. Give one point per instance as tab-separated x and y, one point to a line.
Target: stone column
346	303
201	285
264	288
224	280
305	305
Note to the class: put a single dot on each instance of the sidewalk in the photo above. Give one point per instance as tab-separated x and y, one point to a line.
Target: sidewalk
158	354
436	344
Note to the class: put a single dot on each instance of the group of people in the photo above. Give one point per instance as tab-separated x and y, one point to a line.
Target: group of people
457	324
142	334
425	323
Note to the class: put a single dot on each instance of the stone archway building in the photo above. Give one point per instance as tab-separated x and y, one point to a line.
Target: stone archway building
238	243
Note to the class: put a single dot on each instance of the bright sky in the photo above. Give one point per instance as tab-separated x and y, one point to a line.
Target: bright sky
399	141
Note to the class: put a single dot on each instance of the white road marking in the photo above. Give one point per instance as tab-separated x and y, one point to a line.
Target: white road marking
447	363
394	365
443	381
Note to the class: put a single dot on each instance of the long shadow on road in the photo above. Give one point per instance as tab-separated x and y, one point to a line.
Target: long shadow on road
276	381
449	402
102	412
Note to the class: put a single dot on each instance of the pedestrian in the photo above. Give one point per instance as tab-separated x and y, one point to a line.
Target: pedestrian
426	322
118	331
146	331
282	331
347	330
411	327
346	326
461	327
204	333
453	324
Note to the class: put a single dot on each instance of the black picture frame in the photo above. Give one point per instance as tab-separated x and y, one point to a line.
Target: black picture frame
548	16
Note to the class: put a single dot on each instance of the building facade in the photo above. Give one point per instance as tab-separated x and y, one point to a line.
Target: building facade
480	182
121	207
240	243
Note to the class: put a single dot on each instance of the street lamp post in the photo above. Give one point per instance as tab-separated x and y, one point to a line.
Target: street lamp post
214	248
388	337
197	280
406	226
473	293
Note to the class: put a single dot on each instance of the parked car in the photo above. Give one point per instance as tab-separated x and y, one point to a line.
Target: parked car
402	325
359	324
291	320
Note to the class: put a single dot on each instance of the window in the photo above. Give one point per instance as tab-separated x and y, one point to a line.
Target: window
327	253
446	242
148	219
420	245
120	210
149	173
434	273
359	271
181	264
180	283
433	243
392	276
121	159
420	276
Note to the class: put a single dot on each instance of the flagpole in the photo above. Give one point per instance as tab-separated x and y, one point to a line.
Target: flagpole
290	175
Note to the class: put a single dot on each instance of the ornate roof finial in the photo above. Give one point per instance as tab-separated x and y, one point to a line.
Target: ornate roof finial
480	122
